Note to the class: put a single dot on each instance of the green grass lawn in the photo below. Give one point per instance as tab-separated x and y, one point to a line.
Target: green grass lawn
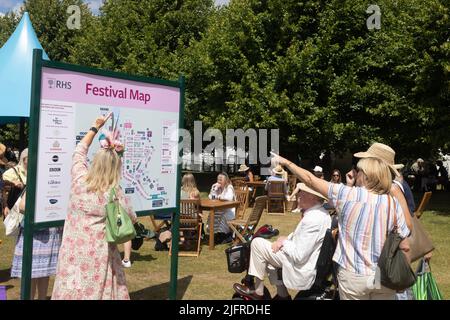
207	277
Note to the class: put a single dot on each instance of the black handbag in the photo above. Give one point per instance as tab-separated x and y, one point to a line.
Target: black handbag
238	257
395	270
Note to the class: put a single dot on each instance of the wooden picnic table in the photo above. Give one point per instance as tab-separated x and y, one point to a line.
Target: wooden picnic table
213	206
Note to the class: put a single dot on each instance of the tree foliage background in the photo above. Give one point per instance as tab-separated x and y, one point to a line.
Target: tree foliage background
310	68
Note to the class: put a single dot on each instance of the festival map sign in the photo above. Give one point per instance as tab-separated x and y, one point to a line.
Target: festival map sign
147	115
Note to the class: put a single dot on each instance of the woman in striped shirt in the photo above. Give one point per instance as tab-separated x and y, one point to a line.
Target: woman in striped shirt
363	222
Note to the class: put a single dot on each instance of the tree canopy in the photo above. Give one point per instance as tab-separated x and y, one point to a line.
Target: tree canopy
309	68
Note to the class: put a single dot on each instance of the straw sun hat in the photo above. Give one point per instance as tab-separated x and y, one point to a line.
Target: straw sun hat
243	168
305	188
278	170
382	152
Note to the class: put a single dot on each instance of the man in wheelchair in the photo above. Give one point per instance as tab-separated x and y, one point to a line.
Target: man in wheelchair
296	255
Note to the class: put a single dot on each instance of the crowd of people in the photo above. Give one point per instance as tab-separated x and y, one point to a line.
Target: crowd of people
372	196
428	176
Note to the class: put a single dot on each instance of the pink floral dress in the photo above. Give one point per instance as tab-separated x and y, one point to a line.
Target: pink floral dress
88	266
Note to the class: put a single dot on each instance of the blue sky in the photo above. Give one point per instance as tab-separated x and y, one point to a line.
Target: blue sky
8	5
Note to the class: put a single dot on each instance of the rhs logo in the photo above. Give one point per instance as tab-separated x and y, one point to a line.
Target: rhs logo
59	84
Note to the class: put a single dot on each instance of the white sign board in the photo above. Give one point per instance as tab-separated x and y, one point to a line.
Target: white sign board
148	119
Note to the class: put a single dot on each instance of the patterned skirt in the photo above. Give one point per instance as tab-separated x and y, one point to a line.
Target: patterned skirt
46	245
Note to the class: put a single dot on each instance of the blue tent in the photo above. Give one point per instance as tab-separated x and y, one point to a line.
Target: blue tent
16	58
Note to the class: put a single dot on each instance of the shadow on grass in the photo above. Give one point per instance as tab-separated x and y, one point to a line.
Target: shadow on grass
136	256
5	275
161	291
439	213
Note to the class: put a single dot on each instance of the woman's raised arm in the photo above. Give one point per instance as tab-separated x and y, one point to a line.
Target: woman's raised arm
305	176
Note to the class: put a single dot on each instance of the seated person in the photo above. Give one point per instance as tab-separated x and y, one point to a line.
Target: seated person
189	188
278	174
293	197
223	190
189	191
296	254
318	172
243	169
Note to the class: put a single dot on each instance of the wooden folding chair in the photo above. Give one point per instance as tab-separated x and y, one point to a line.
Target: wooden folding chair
242	195
425	199
246	228
190	226
238	183
276	193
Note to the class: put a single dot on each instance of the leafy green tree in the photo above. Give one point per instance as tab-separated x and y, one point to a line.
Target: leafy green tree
314	70
8	23
49	18
142	37
310	68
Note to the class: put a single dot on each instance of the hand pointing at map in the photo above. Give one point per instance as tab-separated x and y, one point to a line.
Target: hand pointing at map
97	124
100	121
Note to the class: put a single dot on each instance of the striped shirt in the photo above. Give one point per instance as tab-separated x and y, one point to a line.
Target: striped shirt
362	226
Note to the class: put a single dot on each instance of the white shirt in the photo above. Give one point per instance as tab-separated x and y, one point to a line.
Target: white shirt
221	217
302	247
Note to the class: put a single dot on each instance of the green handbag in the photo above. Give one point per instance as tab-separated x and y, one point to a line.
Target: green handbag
119	227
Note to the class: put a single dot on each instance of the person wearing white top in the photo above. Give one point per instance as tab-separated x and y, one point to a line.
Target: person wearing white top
296	254
222	190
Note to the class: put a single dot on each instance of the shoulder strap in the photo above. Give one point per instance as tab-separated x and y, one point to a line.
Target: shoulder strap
18	175
112	195
389	213
395	216
399	184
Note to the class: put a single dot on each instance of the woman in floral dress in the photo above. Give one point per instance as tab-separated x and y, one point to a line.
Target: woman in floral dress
88	266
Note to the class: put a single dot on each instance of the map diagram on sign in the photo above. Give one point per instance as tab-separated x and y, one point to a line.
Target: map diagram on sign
148	170
137	159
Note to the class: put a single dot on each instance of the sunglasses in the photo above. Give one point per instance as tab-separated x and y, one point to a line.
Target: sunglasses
336	175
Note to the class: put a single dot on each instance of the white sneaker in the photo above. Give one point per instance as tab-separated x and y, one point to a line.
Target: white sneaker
126	264
296	210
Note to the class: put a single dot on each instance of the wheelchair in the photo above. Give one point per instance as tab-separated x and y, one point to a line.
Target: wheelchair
325	286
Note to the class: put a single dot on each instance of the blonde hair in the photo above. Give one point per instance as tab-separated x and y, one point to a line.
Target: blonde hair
105	171
377	175
188	185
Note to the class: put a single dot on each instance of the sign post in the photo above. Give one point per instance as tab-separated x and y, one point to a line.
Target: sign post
64	101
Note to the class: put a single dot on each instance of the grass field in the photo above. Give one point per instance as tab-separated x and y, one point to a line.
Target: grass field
206	277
